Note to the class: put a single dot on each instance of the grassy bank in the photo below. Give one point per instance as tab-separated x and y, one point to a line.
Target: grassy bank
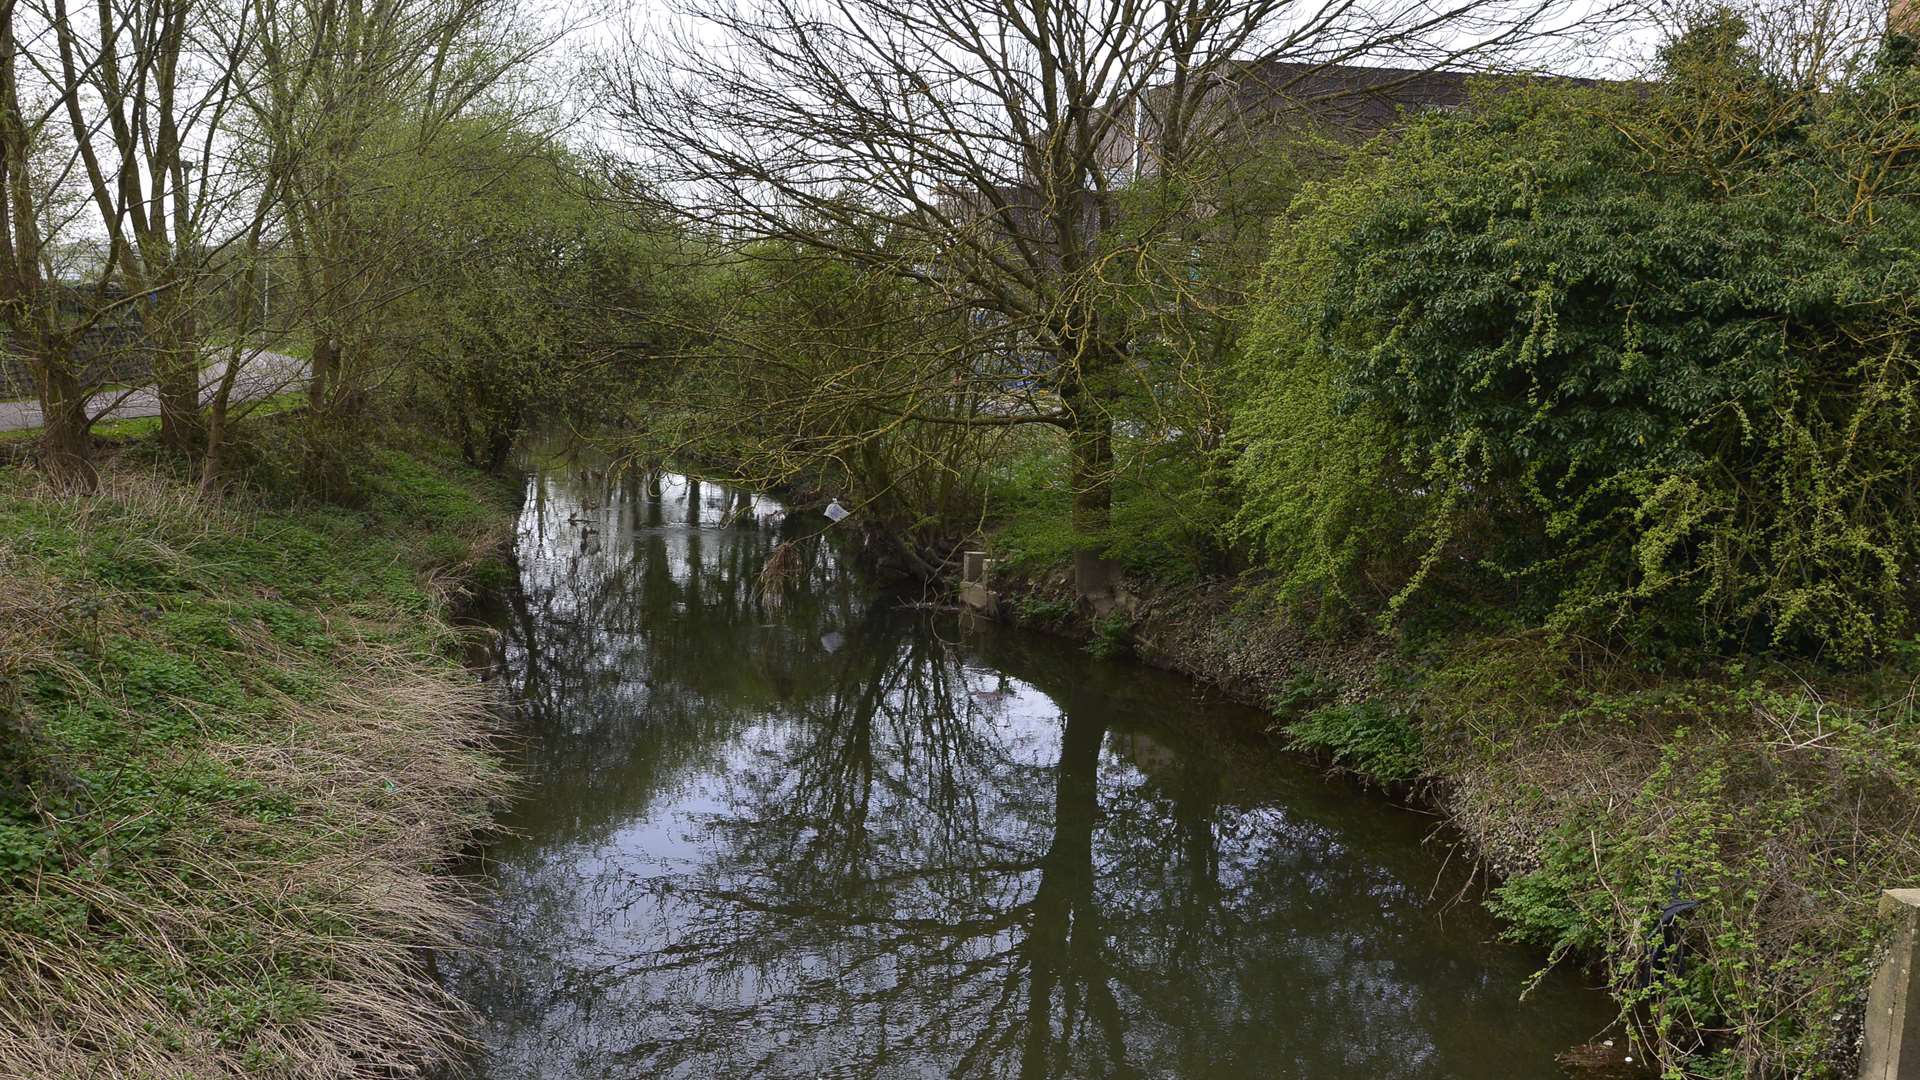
1600	787
236	748
1781	800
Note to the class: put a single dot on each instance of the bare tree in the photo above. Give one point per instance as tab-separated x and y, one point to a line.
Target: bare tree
989	142
337	89
1809	45
137	161
45	317
204	141
146	86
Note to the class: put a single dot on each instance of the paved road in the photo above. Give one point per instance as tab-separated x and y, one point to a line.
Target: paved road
262	374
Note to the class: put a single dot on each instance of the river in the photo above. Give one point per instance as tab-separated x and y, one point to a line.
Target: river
822	835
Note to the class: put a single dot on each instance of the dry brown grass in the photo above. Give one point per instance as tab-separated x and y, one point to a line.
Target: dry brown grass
282	925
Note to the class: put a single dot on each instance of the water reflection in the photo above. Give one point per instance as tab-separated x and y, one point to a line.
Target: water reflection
821	837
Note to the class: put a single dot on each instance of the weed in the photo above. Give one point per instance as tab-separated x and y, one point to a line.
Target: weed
1777	812
1372	738
1112	637
1041	610
1300	694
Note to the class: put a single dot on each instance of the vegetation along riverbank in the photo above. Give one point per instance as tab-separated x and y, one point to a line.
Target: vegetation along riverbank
238	747
1554	451
1574	486
1518	400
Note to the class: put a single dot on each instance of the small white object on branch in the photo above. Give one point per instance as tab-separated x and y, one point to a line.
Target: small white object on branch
836	512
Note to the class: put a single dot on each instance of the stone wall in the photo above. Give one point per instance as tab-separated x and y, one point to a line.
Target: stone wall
109	352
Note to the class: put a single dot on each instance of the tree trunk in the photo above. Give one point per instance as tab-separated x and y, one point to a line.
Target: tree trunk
213	461
1091	442
176	380
65	436
326	355
499	447
323	471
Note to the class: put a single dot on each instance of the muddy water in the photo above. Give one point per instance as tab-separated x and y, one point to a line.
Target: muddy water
829	837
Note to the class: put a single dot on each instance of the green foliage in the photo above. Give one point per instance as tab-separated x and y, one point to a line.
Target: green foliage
1029	495
1375	739
155	636
1773	807
832	370
1641	355
401	486
1539	906
937	406
1112	637
1163	525
1299	695
524	272
1316	473
1170	505
1033	609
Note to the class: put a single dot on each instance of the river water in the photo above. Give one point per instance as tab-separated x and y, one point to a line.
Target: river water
825	836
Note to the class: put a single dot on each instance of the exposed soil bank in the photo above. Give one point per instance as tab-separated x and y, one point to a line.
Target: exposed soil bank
237	751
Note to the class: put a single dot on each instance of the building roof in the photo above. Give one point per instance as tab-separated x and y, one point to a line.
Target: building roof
1352	99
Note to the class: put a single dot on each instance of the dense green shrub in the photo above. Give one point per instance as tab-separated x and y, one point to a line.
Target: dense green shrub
1374	739
1640	354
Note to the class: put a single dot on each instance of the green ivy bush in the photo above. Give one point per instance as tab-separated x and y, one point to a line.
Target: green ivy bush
1635	359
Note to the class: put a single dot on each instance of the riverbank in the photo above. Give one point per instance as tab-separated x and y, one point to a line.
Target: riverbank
238	748
1600	790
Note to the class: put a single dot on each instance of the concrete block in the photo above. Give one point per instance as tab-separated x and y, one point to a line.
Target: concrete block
1094	576
973	567
980	599
1890	1048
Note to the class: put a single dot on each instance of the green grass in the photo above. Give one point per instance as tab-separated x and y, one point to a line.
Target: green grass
235	745
139	427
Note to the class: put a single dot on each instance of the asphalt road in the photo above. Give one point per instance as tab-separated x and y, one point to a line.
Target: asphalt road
262	375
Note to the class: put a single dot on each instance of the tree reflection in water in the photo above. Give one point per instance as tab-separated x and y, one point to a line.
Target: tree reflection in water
823	839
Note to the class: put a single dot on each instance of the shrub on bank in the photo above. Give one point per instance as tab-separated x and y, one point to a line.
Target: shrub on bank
1759	817
1604	402
1635	361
